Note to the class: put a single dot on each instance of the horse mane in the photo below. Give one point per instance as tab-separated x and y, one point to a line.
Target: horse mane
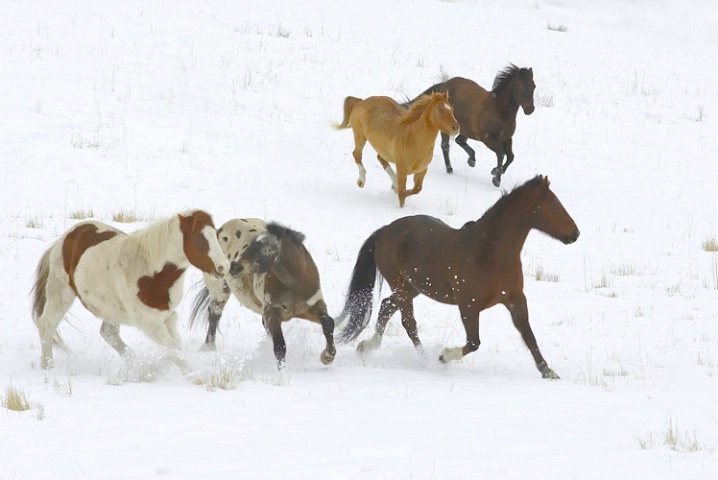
504	78
506	198
282	232
155	239
418	106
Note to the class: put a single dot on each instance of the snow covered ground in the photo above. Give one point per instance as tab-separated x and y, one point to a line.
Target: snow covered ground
146	108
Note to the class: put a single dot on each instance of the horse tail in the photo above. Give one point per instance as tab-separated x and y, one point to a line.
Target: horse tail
360	295
199	306
349	104
39	295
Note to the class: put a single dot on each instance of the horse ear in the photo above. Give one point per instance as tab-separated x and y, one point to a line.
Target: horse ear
531	71
546	181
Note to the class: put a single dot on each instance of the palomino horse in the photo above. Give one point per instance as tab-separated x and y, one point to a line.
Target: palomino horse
474	267
403	137
488	117
123	279
272	274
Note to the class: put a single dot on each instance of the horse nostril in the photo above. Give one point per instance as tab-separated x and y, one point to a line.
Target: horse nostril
221	270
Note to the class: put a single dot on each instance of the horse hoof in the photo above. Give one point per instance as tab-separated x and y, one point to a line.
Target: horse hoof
360	184
496	181
327	357
449	170
208	347
442	359
496	171
550	374
471	162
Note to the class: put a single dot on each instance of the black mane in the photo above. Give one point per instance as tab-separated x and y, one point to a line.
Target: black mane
504	77
282	232
498	208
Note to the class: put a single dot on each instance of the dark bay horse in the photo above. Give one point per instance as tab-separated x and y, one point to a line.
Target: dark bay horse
271	273
489	117
404	137
475	267
124	279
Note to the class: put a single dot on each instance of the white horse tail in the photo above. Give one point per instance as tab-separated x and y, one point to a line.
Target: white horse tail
39	295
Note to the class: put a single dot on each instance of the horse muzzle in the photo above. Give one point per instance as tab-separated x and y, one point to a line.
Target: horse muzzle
571	238
529	110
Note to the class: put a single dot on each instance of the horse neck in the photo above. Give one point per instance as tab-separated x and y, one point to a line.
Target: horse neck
507	106
423	128
161	243
506	230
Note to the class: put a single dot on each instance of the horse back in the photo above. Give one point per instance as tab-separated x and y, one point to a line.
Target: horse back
78	240
468	99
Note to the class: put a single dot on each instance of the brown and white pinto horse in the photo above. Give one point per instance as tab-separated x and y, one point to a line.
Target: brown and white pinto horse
123	279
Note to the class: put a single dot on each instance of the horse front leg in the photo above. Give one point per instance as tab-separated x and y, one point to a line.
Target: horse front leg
496	172
461	141
508	149
470	319
520	316
401	187
111	333
418	182
389	171
272	319
219	293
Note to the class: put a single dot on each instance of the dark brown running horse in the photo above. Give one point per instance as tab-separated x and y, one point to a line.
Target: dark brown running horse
475	267
488	117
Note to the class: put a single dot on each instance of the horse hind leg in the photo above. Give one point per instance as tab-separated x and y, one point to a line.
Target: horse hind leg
318	313
388	308
359	142
470	319
59	298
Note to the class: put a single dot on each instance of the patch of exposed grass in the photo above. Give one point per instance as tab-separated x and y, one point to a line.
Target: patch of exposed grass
710	245
34	222
126	216
81	214
543	276
557	28
15	399
673	438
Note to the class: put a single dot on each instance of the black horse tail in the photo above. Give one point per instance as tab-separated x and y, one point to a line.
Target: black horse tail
360	296
199	307
439	87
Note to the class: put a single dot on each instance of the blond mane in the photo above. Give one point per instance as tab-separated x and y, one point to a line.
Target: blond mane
419	106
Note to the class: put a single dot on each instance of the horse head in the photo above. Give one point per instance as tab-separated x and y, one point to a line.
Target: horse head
442	114
258	258
524	90
200	244
550	216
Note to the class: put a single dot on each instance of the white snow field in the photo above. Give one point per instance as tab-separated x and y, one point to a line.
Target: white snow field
143	108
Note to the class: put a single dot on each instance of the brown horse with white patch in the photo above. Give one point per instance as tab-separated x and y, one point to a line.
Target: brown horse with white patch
475	267
489	117
403	137
123	279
